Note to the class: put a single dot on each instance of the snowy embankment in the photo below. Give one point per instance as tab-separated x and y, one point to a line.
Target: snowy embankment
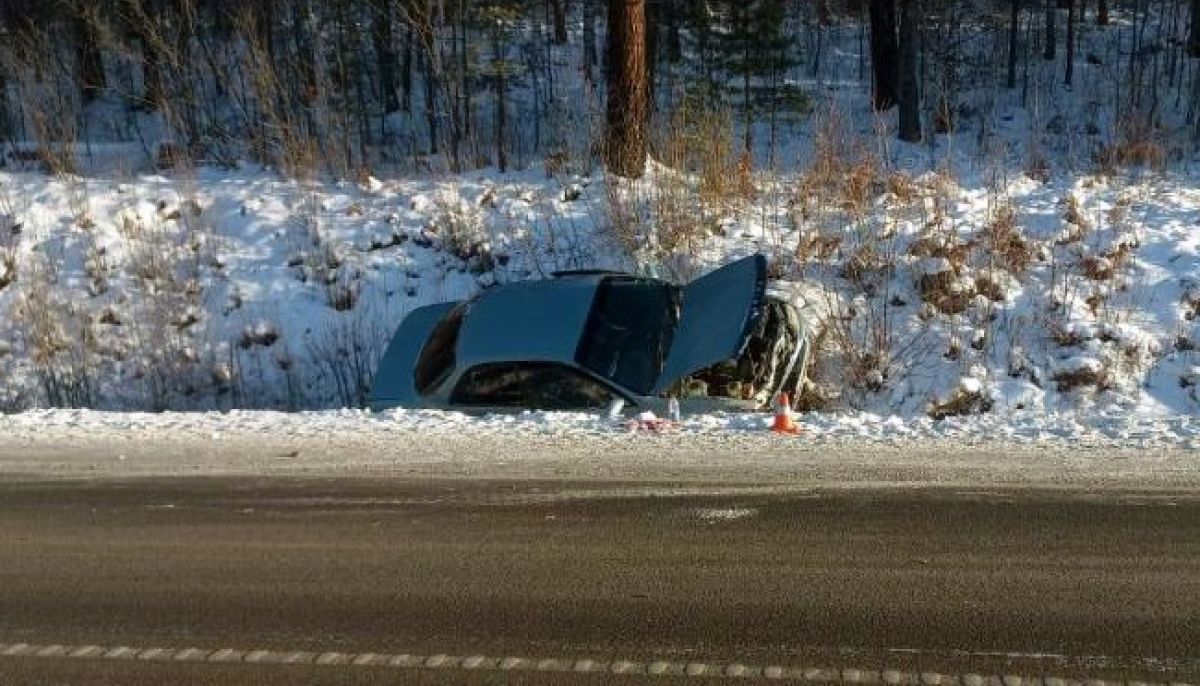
938	297
835	450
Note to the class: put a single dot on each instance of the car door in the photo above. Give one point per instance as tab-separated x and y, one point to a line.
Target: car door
714	324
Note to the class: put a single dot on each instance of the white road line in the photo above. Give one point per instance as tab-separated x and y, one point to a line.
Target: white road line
447	662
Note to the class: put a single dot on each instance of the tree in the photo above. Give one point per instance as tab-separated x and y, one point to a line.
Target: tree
884	53
1051	30
628	96
500	18
756	51
1102	12
1014	28
383	35
1194	38
1070	43
908	83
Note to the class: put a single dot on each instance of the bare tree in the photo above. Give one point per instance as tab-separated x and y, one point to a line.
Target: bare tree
1069	78
1014	28
909	84
1194	38
1051	30
884	53
628	96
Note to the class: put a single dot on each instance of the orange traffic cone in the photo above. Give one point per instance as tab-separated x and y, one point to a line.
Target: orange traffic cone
783	416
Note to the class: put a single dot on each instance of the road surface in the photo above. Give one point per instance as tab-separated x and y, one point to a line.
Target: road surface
853	583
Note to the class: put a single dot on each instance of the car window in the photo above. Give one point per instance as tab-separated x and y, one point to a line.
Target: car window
437	356
629	331
530	385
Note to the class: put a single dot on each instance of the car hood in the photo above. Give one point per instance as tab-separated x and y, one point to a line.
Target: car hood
394	383
716	318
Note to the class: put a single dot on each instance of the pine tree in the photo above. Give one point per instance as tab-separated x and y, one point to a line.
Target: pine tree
755	53
1194	38
908	82
884	53
628	95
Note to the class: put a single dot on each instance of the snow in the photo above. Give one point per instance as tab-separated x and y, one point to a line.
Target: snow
1100	429
727	452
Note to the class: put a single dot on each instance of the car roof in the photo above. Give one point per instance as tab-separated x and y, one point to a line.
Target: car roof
527	321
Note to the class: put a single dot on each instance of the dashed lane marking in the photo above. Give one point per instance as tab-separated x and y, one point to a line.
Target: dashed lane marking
446	662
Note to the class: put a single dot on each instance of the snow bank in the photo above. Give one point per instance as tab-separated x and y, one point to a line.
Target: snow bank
1100	430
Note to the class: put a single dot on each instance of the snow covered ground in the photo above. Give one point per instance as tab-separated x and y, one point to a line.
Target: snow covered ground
222	291
1030	449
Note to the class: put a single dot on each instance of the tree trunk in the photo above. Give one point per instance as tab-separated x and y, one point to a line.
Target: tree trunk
625	140
1051	30
674	41
406	71
385	53
559	9
1014	27
1102	12
589	39
1194	38
909	84
1070	76
501	115
824	15
884	53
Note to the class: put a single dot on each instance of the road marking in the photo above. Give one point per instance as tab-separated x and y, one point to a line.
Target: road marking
447	662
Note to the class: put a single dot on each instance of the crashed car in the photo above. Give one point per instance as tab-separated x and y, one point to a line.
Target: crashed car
583	339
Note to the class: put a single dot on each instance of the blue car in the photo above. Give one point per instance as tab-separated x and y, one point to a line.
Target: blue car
581	340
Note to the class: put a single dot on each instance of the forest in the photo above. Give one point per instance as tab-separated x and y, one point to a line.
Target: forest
341	86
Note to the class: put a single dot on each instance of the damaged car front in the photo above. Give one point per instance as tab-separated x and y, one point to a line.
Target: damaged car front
740	342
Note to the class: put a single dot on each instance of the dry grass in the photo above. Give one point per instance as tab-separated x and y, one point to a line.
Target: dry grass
961	403
1084	377
1140	144
1004	242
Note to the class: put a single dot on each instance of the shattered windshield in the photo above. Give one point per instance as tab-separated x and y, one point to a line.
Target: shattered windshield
629	331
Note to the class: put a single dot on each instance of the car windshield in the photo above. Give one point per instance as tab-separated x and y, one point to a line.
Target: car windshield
437	357
629	331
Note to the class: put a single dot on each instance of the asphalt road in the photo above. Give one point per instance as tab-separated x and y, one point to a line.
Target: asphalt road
1072	583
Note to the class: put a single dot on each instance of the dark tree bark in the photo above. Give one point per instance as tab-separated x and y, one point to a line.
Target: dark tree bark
884	53
1014	28
674	41
908	83
501	93
824	15
1194	38
1070	76
406	71
1051	30
628	97
559	10
1102	12
589	39
384	36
